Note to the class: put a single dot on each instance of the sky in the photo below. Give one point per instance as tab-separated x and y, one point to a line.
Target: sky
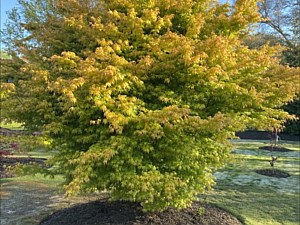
6	5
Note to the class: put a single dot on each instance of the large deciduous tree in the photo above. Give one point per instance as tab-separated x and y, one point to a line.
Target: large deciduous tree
281	20
140	97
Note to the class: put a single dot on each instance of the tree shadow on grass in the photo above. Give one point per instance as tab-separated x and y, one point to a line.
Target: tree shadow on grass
24	199
257	203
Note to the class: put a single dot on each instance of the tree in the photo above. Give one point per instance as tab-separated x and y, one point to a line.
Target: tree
140	97
9	68
293	126
281	19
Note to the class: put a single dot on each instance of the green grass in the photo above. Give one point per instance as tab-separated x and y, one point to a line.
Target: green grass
34	154
38	178
257	205
254	198
12	125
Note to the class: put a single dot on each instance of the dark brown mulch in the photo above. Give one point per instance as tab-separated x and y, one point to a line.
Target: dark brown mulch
103	212
7	162
273	173
275	148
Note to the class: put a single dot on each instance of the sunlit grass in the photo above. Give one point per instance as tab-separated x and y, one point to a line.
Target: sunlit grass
37	178
12	125
257	205
254	198
33	154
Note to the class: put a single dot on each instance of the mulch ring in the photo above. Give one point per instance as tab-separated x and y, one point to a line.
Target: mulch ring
6	164
273	173
275	148
104	212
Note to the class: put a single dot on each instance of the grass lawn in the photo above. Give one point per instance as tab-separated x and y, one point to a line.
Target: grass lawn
12	125
38	179
254	198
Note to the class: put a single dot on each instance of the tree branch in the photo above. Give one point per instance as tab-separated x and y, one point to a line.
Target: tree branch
280	31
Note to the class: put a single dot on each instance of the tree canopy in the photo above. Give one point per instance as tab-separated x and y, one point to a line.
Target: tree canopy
281	18
139	97
281	25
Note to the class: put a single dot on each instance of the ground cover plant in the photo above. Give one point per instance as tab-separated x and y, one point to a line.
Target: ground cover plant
141	97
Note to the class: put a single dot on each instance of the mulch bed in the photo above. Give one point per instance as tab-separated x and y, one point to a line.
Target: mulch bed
6	163
104	212
275	148
273	173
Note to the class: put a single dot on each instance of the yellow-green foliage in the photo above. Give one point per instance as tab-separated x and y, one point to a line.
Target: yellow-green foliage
140	96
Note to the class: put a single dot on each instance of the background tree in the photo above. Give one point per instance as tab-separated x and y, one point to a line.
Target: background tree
282	21
140	97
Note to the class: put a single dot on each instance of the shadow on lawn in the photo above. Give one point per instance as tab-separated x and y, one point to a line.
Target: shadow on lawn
262	204
24	202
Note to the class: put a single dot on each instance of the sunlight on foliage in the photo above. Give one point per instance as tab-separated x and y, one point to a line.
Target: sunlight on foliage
140	97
